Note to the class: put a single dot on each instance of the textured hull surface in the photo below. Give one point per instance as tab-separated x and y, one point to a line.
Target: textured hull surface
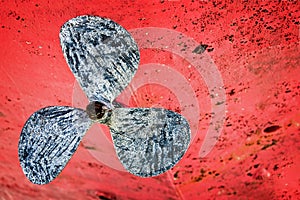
253	44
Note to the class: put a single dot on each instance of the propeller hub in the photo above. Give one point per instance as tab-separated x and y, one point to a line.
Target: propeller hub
97	110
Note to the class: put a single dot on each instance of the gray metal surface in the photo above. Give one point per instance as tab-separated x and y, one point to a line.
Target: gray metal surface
48	140
104	58
101	54
149	141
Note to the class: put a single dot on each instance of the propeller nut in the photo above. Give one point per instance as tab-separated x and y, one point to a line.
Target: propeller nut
96	110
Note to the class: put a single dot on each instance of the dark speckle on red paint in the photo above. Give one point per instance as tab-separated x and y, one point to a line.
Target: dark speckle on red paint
269	145
275	167
200	49
232	92
272	128
210	49
101	197
176	175
106	196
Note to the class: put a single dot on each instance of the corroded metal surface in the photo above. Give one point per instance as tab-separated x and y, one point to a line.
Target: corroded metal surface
48	140
104	58
101	54
149	141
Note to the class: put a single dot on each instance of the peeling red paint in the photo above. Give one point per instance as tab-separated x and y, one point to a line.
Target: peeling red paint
255	47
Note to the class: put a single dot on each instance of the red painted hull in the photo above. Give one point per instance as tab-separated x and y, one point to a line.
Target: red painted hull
255	50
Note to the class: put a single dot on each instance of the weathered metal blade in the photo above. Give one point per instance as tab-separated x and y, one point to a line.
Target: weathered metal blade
48	140
149	141
101	54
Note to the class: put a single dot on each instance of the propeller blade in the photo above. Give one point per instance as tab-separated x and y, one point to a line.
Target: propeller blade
101	54
149	141
48	140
